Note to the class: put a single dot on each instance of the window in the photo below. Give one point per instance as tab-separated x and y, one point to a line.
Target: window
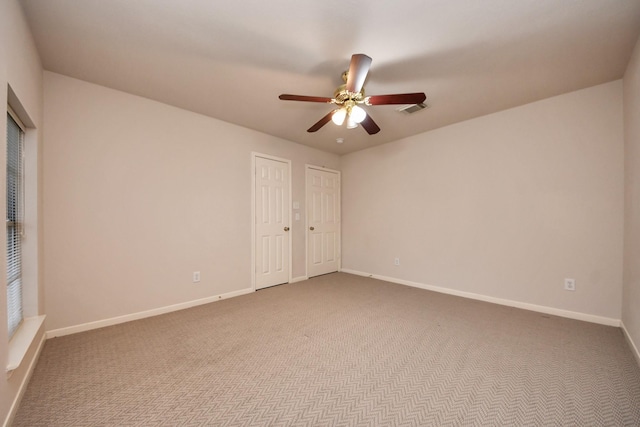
15	200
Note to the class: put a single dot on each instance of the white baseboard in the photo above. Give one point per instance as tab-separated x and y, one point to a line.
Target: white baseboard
142	314
23	385
298	279
517	304
632	345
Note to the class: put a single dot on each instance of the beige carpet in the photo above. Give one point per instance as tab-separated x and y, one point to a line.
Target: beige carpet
338	350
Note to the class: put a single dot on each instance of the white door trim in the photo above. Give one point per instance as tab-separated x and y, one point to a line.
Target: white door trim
253	212
308	167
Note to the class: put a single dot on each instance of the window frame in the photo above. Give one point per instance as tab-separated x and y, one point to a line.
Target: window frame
15	261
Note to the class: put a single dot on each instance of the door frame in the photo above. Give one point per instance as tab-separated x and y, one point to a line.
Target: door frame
254	155
307	168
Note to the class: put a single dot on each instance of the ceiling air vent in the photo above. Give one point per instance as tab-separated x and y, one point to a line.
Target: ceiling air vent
409	109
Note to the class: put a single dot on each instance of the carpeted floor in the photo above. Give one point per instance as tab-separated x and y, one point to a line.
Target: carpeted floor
338	350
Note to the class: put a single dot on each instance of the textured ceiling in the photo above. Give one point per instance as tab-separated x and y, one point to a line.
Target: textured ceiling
230	60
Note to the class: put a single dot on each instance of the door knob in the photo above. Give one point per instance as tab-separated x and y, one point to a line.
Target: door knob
311	228
286	229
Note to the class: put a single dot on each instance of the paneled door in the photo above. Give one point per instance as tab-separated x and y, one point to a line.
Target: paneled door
323	221
272	241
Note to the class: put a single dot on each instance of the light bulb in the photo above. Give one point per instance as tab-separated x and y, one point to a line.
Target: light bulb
338	116
357	114
351	124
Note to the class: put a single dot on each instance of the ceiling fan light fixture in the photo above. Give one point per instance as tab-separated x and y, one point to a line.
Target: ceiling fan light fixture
357	114
351	124
339	116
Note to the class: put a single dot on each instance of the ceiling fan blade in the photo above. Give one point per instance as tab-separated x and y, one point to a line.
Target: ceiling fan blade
398	98
287	97
358	70
323	121
369	125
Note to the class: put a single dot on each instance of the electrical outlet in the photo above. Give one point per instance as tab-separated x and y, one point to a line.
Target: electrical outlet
196	276
396	261
569	284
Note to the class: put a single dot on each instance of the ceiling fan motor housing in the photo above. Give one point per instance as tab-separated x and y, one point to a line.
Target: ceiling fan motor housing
342	95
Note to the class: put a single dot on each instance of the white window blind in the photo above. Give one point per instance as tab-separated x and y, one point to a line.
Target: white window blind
15	137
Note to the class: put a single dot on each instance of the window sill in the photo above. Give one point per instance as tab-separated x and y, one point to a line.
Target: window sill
22	340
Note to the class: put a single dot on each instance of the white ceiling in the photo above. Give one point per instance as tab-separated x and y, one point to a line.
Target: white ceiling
231	59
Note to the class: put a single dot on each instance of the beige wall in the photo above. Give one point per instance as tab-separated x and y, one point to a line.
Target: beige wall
505	205
20	69
138	195
631	294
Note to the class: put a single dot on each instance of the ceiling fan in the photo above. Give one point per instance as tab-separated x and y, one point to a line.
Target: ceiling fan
349	96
